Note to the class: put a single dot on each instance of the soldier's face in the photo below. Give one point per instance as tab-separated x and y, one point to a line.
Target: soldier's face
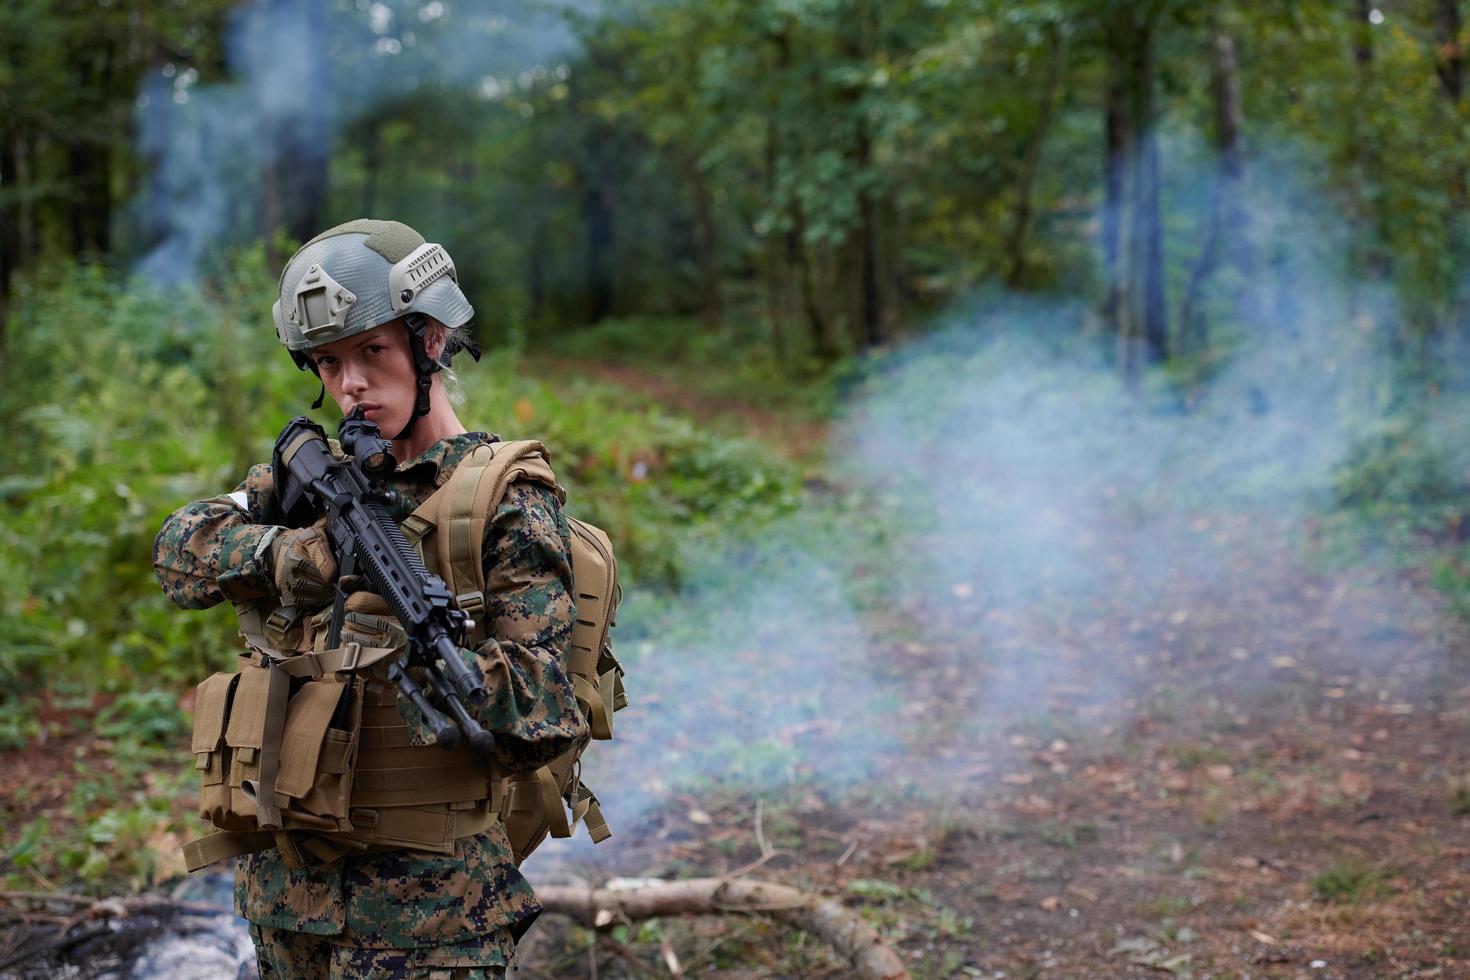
375	370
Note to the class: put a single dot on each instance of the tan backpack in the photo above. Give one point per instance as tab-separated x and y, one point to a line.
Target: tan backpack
449	531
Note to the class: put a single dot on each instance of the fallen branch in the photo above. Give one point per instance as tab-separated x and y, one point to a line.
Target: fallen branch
824	917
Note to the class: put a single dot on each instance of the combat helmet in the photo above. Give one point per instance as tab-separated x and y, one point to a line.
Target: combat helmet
363	274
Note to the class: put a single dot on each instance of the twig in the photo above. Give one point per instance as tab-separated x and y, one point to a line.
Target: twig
748	868
760	837
848	853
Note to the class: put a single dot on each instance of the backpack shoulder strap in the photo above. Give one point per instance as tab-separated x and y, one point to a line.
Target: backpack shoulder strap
449	527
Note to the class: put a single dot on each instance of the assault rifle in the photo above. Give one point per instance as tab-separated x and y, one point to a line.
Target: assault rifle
310	482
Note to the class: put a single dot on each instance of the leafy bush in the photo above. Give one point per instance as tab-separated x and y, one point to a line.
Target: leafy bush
1401	471
129	401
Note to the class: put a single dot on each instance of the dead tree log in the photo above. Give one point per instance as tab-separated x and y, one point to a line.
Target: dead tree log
822	916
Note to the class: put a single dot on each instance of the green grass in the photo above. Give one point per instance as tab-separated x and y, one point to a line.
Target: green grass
1352	881
736	360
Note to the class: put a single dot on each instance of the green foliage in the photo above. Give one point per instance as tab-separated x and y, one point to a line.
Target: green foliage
1352	882
150	717
1401	471
131	401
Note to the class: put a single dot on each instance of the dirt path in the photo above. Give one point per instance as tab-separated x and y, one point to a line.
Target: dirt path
803	440
1272	784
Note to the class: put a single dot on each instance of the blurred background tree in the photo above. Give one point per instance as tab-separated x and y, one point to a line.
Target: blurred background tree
832	170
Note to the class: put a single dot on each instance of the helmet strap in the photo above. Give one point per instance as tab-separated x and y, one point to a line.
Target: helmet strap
424	367
321	396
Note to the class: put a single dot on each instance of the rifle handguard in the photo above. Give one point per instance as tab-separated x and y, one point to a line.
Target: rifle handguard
466	679
446	734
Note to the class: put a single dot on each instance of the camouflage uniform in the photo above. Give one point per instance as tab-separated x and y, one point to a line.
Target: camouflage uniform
403	912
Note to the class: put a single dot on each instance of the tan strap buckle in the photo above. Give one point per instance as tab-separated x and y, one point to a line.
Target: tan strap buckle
351	654
472	604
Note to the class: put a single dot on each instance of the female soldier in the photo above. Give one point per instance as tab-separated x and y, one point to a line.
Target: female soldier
375	312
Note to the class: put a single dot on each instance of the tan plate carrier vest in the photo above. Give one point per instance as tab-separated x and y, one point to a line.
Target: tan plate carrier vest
304	749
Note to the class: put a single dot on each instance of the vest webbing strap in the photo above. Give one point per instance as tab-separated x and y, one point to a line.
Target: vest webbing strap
455	782
449	527
429	828
598	718
225	844
278	691
596	823
352	656
556	814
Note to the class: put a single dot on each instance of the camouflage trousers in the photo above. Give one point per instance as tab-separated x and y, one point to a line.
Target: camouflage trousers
282	954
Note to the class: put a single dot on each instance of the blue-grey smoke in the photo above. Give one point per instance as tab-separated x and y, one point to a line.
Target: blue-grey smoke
1054	544
303	76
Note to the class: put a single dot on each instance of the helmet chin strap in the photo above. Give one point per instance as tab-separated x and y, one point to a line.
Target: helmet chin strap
424	367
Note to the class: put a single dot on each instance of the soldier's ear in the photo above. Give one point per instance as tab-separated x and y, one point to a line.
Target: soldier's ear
435	337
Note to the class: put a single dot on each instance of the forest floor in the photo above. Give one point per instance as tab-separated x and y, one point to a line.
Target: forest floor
1274	785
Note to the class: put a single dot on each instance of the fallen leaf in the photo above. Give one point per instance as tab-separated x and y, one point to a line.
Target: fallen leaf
1264	938
1050	903
1355	784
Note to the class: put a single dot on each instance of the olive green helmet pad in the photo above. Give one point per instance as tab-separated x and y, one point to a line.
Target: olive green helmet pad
360	275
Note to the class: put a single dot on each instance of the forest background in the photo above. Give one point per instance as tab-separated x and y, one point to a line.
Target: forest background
701	237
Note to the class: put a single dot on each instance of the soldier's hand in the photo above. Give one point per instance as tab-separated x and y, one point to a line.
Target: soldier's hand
303	566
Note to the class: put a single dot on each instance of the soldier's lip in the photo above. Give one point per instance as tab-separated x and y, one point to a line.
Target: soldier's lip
367	407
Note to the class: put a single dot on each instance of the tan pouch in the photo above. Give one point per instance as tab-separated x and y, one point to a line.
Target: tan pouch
211	755
245	735
315	778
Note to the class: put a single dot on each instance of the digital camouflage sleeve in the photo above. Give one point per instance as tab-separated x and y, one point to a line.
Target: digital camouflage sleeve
212	550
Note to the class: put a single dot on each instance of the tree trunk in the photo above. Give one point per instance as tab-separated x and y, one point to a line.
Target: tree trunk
1225	227
9	225
295	149
1363	259
1136	290
1148	223
372	162
776	285
824	345
1363	32
1021	220
871	303
1450	58
704	241
1115	143
598	218
536	274
27	215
